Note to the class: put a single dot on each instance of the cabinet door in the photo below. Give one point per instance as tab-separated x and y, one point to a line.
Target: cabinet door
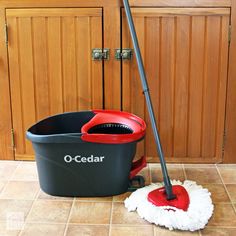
50	65
185	52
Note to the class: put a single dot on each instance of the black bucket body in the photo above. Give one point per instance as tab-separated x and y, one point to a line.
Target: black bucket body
70	163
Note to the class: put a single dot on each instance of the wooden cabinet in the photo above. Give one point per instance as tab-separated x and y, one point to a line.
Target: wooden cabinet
50	66
185	52
46	68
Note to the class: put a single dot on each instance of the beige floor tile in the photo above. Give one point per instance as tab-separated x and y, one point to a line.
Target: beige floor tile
43	230
45	196
5	231
146	174
26	171
203	175
8	207
218	231
120	215
94	199
161	231
89	230
218	193
46	211
131	230
20	190
226	165
121	197
7	168
232	191
2	184
199	165
175	172
223	215
228	174
91	213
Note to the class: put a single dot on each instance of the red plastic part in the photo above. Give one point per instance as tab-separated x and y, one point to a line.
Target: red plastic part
108	116
158	197
137	166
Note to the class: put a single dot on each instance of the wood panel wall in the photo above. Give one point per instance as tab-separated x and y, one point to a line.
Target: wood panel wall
186	60
50	65
230	122
6	150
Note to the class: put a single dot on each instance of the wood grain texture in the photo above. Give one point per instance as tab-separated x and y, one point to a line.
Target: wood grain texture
47	55
96	67
196	75
186	63
154	12
40	60
84	63
230	126
55	64
69	63
131	82
114	3
6	150
222	84
181	85
27	80
112	67
167	76
153	47
210	86
60	3
182	3
39	12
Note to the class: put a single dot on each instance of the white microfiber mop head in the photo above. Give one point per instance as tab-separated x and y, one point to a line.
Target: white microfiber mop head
196	217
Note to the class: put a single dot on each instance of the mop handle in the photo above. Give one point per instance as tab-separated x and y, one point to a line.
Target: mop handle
167	183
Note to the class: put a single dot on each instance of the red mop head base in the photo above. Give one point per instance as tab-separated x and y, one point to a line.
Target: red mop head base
158	197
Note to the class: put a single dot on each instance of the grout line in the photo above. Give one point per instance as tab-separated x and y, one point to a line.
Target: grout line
55	199
196	166
97	224
221	227
93	201
63	223
10	178
110	223
185	175
231	201
69	216
226	165
36	196
150	173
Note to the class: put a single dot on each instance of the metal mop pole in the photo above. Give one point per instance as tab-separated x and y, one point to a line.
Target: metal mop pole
167	183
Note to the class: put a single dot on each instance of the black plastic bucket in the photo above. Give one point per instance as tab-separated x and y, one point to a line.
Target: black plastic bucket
87	153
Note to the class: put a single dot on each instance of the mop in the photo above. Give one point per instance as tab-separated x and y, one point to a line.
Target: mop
172	204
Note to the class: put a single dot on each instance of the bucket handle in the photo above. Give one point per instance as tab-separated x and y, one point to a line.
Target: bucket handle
137	166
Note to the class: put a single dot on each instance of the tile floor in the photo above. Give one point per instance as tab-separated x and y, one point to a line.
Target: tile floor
27	211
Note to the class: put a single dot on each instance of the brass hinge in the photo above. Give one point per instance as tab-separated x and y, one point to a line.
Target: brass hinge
124	54
13	138
229	34
6	34
99	54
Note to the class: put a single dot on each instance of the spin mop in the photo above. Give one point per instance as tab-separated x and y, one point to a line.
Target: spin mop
175	205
